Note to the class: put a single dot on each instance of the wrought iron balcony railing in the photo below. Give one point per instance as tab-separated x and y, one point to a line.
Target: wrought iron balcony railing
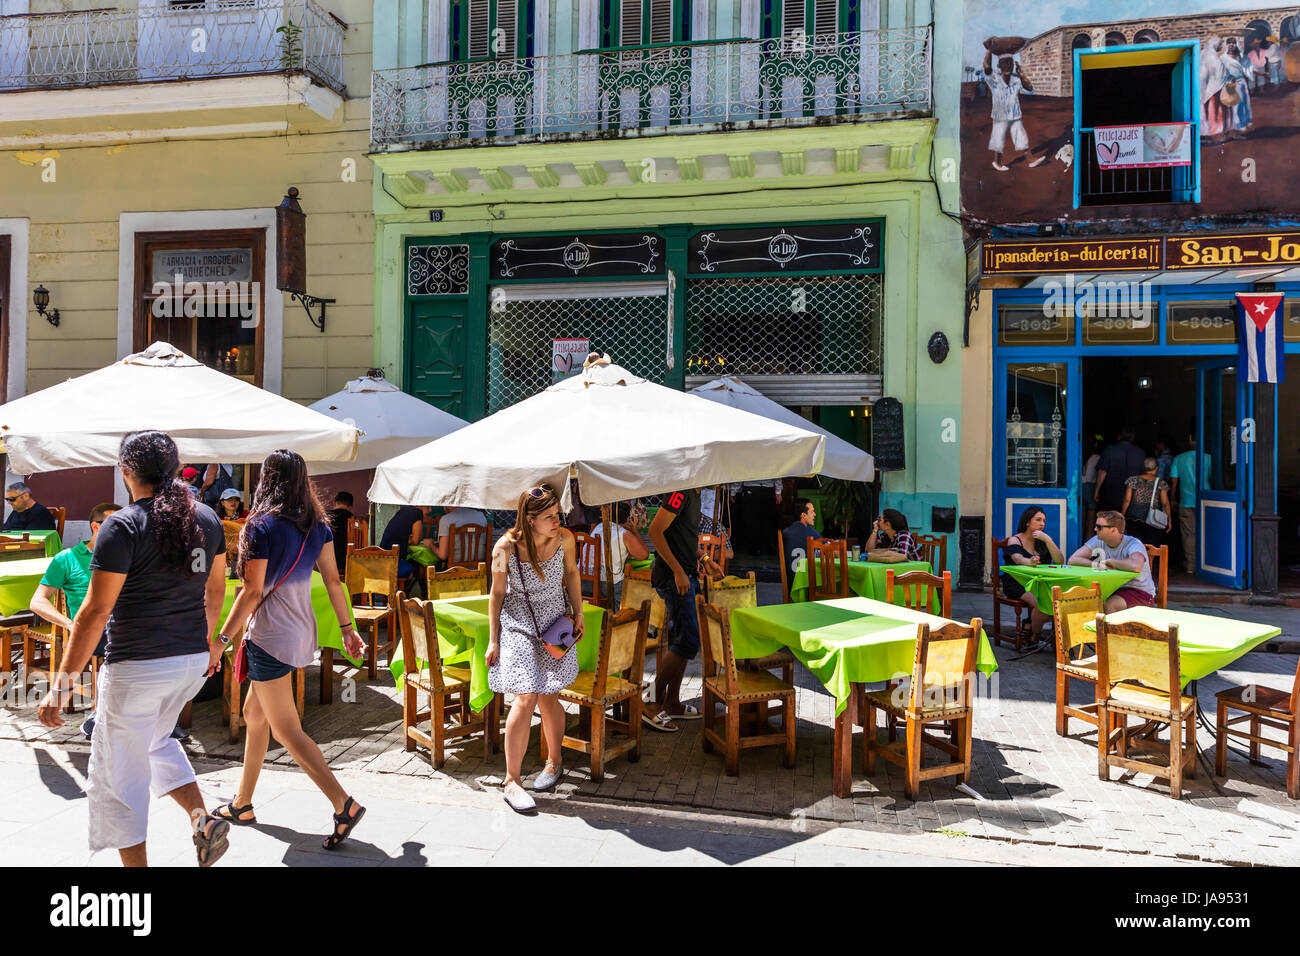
846	75
206	38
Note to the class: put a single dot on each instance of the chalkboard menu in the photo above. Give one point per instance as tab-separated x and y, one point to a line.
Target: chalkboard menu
887	435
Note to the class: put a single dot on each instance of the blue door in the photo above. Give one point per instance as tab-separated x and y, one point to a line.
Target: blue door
1224	435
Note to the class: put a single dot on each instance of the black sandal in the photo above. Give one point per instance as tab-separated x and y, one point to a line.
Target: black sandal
346	821
231	814
210	847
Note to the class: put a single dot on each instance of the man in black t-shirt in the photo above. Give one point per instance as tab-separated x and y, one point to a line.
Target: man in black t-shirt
28	514
675	534
339	516
405	529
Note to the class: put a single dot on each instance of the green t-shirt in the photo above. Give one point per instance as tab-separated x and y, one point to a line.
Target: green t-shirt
69	572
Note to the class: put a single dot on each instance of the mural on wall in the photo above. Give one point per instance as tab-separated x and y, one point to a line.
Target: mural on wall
1018	112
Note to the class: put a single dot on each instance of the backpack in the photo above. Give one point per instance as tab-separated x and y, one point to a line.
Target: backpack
225	479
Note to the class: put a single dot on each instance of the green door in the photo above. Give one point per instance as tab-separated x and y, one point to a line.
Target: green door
436	355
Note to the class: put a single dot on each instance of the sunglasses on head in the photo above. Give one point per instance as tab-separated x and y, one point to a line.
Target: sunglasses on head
541	491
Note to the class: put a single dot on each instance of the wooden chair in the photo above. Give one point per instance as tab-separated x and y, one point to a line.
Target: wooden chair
715	547
941	690
447	688
11	636
232	529
1000	599
918	589
1071	610
829	556
622	651
21	548
472	541
733	592
637	588
781	559
372	573
44	644
359	532
60	515
934	551
734	690
456	582
1159	558
1137	674
590	555
1263	707
232	696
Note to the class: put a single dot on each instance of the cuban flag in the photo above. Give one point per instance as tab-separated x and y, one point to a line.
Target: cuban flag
1259	317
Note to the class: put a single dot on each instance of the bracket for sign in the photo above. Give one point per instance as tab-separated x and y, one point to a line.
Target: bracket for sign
308	301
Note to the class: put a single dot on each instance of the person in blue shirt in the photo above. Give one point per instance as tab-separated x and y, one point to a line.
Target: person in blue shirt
1182	479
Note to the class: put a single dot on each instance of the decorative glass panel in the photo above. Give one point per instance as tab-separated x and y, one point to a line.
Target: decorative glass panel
1201	323
437	270
1036	443
832	247
1035	325
570	256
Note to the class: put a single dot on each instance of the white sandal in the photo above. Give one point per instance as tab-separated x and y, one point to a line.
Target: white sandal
660	722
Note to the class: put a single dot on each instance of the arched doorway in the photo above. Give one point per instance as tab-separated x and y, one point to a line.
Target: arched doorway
1146	36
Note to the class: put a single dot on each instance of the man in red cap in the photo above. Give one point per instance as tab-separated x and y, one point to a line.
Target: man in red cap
190	476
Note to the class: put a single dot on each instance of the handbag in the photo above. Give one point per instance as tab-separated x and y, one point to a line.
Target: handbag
559	637
241	655
1229	96
1155	517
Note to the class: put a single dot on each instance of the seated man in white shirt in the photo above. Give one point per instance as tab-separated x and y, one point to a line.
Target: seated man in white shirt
459	518
1111	548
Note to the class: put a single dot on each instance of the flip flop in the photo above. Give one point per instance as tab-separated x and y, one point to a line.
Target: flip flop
688	713
210	847
660	722
231	814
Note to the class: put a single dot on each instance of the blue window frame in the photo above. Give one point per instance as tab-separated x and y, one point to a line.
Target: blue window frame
1159	85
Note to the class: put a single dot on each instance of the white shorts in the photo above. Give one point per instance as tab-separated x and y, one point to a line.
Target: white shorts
132	750
1019	138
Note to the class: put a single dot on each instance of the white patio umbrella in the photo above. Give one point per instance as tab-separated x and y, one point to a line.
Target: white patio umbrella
620	435
842	459
212	417
392	422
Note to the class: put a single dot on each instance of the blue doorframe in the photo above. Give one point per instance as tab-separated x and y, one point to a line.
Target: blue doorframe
1061	500
1225	495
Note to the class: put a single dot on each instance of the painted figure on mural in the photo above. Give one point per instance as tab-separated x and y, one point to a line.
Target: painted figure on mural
1006	85
1214	78
1240	74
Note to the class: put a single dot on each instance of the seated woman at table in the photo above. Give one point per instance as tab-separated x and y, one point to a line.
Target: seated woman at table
286	536
232	506
625	543
890	541
1030	546
1111	548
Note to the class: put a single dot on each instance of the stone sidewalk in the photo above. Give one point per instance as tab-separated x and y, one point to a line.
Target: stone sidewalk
1038	788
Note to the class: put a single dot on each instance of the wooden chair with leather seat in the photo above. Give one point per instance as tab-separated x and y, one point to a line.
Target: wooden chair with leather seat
622	651
60	514
11	637
232	692
828	569
941	689
44	644
1071	610
735	592
1159	558
733	689
637	588
20	549
359	531
1138	675
473	542
1262	707
232	530
456	582
590	556
934	551
1000	599
918	589
447	688
372	573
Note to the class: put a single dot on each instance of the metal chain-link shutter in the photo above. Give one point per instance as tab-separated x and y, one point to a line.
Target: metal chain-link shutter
785	325
627	320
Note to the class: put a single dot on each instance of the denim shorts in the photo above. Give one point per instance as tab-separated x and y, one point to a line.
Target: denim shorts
263	666
681	620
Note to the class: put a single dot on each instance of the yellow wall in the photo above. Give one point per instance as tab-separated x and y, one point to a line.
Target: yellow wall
976	492
74	226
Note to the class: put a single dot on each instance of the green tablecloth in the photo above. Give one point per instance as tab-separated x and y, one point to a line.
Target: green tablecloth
419	554
328	633
843	642
866	579
53	544
463	632
640	565
18	581
1040	580
1205	642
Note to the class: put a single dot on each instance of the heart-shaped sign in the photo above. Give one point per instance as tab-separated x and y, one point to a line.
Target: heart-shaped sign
1107	153
564	363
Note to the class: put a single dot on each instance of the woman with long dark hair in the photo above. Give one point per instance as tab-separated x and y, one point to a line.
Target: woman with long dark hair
1031	546
534	571
286	535
157	577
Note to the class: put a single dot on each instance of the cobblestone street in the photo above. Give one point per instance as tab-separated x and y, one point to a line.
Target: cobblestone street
1038	788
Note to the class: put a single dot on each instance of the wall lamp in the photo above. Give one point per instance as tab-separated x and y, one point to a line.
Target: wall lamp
41	296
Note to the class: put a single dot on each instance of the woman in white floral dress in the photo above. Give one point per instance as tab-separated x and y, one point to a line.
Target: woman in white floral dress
535	563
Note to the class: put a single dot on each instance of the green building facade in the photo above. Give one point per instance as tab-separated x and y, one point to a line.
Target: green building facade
745	187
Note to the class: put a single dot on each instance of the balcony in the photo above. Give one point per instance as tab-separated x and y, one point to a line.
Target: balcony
218	38
1143	184
687	87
